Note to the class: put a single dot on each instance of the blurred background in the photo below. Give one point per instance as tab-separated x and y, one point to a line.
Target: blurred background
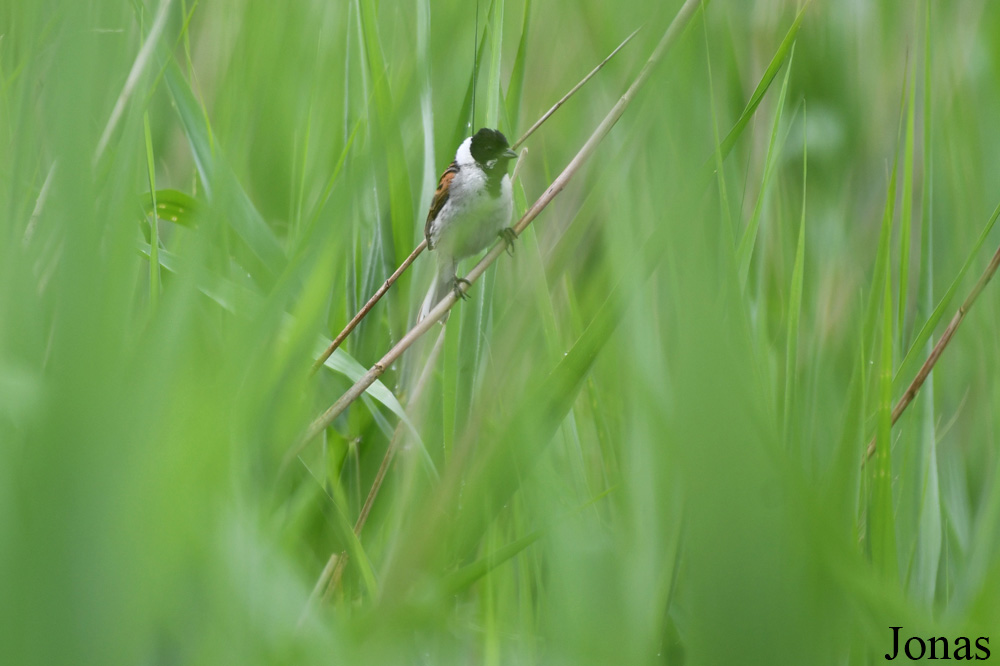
641	439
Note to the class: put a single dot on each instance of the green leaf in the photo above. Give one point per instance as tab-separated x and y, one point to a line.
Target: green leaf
172	206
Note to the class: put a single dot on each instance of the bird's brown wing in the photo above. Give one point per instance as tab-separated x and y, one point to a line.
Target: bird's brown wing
440	199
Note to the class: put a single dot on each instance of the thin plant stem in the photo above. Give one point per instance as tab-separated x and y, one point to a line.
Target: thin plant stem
925	369
555	107
363	312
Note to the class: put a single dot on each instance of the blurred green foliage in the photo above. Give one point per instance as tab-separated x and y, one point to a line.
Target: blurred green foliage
641	441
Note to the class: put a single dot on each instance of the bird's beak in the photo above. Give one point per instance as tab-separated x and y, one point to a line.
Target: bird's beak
509	154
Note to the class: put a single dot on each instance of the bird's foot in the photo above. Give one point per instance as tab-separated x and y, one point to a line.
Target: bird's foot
457	288
508	236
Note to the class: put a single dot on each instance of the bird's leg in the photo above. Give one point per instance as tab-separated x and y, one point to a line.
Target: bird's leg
457	288
508	236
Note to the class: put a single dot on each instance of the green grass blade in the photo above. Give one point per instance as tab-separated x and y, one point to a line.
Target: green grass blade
748	240
469	574
719	172
881	516
884	242
429	169
916	351
515	89
332	180
906	215
154	230
345	530
496	51
390	151
795	301
784	49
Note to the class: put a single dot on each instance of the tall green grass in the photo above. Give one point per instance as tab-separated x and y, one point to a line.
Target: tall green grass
640	440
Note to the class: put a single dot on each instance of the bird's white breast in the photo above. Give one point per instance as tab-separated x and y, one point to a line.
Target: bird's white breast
472	217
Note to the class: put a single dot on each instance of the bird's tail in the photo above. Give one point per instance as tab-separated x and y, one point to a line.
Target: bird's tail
443	282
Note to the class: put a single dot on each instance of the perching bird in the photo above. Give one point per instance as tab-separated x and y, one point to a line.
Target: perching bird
472	206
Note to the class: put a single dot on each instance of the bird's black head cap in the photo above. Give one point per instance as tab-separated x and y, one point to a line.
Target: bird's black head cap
488	145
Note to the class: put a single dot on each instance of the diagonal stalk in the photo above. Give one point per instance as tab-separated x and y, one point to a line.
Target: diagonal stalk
925	369
363	312
555	107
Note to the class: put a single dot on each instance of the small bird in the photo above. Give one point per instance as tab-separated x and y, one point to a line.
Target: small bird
472	205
